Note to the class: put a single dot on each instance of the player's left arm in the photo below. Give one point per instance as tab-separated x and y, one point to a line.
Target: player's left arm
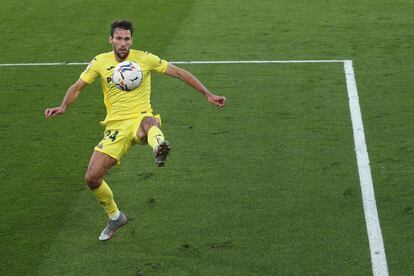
191	80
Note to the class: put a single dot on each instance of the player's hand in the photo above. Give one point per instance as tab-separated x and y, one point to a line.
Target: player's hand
50	112
219	101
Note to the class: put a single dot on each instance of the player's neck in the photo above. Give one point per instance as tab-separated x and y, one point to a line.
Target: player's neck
121	59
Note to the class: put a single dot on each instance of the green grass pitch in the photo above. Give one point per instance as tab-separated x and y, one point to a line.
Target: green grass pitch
266	186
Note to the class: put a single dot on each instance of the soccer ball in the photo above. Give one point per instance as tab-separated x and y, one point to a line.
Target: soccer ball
127	76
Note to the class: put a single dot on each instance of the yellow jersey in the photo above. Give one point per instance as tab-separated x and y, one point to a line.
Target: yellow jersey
121	105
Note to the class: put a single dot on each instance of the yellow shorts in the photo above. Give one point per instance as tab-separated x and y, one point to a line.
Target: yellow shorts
119	136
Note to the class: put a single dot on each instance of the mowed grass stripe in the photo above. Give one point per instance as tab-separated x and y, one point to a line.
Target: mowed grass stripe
262	186
44	161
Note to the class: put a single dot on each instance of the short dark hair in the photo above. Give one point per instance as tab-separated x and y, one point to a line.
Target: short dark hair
123	24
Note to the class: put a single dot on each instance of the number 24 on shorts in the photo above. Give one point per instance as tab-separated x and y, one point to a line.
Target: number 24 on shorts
111	135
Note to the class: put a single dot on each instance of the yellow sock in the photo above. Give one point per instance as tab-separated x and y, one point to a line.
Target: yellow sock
105	197
154	136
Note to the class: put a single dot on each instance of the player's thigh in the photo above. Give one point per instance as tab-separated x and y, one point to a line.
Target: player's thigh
99	165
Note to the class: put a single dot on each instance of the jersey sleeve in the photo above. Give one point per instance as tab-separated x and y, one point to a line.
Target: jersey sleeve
158	65
90	73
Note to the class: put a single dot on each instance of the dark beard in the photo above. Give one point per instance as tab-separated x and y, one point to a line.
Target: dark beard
121	56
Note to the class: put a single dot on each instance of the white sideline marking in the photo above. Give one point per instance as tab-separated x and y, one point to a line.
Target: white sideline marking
256	61
42	64
376	244
181	62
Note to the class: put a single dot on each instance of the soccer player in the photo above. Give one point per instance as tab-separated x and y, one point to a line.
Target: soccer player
130	119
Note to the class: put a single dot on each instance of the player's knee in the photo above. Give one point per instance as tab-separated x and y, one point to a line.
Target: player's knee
92	181
149	122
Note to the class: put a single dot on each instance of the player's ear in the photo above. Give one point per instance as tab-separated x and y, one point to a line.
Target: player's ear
110	39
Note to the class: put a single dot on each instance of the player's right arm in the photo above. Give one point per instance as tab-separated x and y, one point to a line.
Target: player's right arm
70	97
